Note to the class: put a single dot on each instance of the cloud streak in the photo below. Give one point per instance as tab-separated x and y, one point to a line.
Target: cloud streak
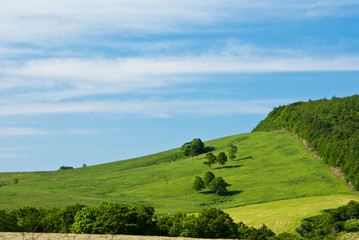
59	79
33	81
145	108
20	131
37	21
57	86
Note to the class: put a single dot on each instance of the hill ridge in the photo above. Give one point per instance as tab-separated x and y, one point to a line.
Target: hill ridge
331	127
269	166
335	170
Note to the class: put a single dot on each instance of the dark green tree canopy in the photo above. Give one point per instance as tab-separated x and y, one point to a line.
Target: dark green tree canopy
211	159
114	218
232	152
198	184
65	168
208	177
193	148
219	186
221	158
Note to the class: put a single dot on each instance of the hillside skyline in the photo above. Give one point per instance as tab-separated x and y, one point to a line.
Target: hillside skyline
99	82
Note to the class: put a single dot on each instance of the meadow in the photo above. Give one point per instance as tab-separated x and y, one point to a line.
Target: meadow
269	167
285	215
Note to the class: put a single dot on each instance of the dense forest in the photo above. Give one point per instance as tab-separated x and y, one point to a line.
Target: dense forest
331	127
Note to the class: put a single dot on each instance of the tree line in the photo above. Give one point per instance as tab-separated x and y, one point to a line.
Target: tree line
331	222
115	218
331	127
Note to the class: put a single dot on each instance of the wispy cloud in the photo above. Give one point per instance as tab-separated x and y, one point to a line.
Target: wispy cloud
9	153
54	86
36	21
18	131
36	80
145	108
59	79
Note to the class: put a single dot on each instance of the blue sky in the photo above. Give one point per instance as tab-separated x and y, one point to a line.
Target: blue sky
99	81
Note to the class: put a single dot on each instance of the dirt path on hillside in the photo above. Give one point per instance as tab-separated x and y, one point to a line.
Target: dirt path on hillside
71	236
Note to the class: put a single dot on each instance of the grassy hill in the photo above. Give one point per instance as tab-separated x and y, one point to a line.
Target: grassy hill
331	127
269	167
285	215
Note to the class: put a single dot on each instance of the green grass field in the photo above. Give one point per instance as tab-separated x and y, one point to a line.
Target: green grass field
285	215
269	167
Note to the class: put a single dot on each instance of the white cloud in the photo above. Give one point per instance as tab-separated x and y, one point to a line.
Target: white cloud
42	86
39	21
57	79
20	131
146	108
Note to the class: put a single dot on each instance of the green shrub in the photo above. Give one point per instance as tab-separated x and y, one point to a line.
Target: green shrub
114	218
65	168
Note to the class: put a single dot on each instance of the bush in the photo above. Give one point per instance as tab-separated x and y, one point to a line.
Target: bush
208	178
209	223
114	218
65	168
193	148
219	186
331	222
198	184
8	222
30	219
67	216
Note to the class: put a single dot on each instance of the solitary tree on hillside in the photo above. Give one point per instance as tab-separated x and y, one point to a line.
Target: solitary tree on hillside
197	147
208	177
193	148
232	152
211	159
185	149
221	158
198	184
218	185
65	168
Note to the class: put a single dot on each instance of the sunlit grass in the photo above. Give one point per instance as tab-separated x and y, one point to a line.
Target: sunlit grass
269	167
285	215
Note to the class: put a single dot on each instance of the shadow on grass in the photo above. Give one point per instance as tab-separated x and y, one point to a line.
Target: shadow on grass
208	149
243	158
235	166
230	193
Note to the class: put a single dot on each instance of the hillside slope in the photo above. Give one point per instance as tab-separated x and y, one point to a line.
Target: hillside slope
331	127
269	166
286	215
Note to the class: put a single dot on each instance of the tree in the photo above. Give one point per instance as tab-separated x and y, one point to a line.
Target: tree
67	216
114	218
196	147
232	152
221	158
198	184
193	148
208	177
65	168
185	149
218	185
210	159
211	223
